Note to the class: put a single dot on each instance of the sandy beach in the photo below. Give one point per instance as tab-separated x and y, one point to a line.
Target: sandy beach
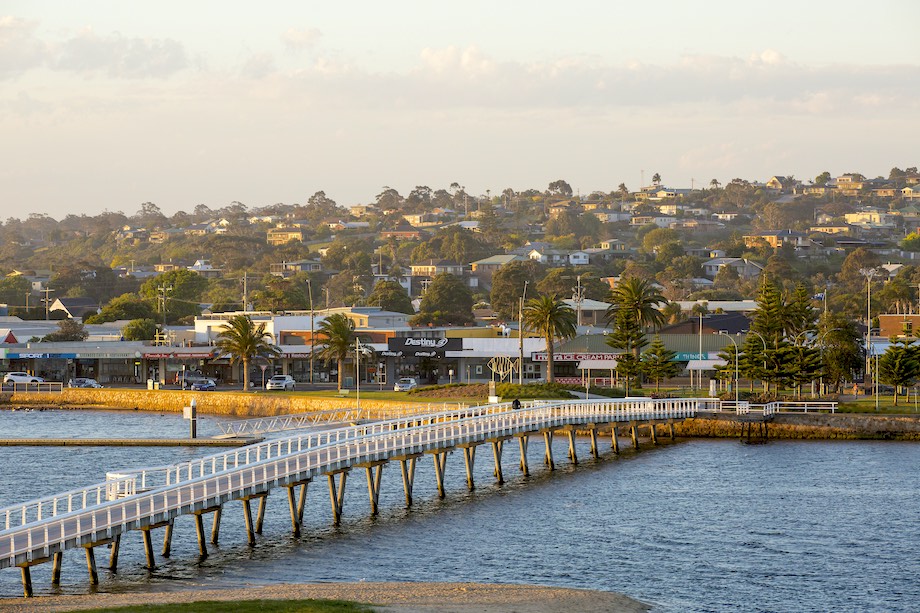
385	597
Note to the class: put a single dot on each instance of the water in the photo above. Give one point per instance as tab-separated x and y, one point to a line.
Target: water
698	526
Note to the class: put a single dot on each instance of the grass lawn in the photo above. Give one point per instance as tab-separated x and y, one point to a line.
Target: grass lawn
246	606
375	394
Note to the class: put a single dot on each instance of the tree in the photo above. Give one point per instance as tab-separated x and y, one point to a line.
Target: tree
552	319
69	330
559	188
641	301
658	362
823	179
245	341
657	237
446	302
726	277
182	299
391	296
139	330
656	179
126	306
508	286
338	334
842	349
900	365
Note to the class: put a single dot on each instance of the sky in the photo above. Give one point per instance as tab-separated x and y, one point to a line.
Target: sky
105	105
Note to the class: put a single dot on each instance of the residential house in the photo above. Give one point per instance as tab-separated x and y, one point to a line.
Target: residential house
746	269
403	231
204	268
280	236
348	225
871	219
131	235
850	184
486	267
549	256
161	268
779	183
198	229
158	237
431	268
75	308
841	229
644	220
289	269
608	216
777	239
911	192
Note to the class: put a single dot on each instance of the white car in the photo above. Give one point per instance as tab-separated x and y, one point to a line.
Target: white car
404	384
21	377
280	382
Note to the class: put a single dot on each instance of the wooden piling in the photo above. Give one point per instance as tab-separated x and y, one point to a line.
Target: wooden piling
469	459
407	468
573	453
634	433
297	504
167	539
653	432
615	440
247	515
497	455
337	494
215	527
374	471
199	533
440	462
113	557
592	430
91	565
260	514
523	441
27	581
548	455
57	559
148	548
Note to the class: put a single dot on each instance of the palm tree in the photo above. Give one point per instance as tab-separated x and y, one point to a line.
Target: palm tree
639	298
339	334
244	340
553	319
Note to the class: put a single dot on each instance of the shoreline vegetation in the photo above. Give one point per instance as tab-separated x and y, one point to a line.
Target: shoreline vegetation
240	405
384	597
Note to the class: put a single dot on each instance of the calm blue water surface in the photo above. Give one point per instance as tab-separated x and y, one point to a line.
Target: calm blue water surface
702	525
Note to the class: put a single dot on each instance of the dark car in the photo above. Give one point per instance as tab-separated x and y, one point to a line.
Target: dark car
207	385
186	378
83	382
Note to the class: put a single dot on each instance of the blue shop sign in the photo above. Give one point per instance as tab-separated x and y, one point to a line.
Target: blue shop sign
40	356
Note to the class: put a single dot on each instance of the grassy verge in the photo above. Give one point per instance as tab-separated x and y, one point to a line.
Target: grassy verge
245	606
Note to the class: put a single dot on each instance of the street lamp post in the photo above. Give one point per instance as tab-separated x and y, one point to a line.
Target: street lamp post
724	333
312	343
764	341
521	336
869	273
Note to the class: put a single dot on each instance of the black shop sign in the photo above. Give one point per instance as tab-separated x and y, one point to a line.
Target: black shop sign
408	347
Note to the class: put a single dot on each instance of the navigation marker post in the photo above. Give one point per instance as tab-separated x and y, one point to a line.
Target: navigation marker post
191	413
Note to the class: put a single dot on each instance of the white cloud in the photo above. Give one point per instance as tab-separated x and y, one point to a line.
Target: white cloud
258	66
20	50
299	40
120	57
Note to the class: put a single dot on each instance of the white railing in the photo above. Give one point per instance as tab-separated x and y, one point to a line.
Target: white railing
771	408
132	496
47	386
279	423
805	406
67	502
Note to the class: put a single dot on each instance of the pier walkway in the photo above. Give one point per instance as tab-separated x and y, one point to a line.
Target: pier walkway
144	499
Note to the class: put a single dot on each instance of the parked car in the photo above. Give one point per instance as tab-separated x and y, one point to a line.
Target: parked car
208	385
280	382
83	382
185	378
404	384
21	377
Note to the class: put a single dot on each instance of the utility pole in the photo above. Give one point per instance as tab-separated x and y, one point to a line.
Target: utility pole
869	273
245	291
47	300
163	290
579	298
520	336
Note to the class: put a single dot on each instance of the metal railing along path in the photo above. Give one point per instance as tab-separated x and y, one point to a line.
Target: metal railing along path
210	481
299	421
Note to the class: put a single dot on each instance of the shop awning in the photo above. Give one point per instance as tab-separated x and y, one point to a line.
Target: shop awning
597	364
705	364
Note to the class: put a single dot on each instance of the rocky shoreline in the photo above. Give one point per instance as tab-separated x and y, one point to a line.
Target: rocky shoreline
383	597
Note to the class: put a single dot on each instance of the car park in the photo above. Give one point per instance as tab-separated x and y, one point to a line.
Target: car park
404	384
208	385
83	382
21	377
281	382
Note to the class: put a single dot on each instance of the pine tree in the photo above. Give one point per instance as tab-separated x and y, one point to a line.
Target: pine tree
658	362
900	365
